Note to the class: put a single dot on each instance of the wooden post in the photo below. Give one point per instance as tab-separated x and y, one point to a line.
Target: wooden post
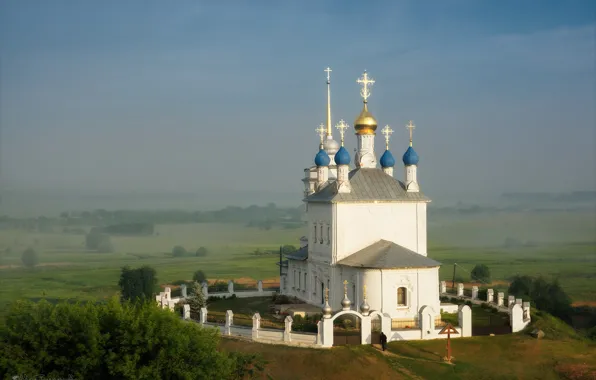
448	329
453	282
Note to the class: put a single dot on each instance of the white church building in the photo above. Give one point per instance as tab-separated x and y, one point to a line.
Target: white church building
366	225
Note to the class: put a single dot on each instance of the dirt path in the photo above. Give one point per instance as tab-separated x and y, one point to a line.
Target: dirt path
394	359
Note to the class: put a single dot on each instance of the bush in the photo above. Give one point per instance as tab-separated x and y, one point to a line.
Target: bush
199	276
137	284
546	295
112	340
202	252
178	251
196	300
29	258
96	238
481	273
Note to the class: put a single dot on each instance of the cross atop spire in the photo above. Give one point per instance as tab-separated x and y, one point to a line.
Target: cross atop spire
341	127
411	127
364	291
328	71
326	294
387	131
345	288
321	131
365	81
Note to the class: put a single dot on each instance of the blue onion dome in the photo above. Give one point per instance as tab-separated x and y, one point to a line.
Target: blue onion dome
322	158
342	157
410	157
387	159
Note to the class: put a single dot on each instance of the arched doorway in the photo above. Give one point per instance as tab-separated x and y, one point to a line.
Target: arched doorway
347	330
376	326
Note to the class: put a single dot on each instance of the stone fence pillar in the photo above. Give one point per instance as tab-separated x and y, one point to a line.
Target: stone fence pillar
168	292
516	318
474	292
183	291
327	333
319	332
186	312
526	309
500	298
229	322
205	289
256	325
171	305
519	301
490	295
203	315
464	317
510	301
230	286
288	329
260	286
443	287
460	290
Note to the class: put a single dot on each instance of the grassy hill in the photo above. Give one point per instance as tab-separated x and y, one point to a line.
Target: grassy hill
562	354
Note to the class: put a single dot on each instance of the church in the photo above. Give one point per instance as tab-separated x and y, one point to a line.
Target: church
366	226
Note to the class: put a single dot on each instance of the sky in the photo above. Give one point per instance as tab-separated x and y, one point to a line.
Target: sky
208	97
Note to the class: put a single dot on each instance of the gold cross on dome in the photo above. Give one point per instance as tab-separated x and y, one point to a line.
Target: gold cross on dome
365	81
411	127
387	131
321	131
364	291
346	288
341	127
326	294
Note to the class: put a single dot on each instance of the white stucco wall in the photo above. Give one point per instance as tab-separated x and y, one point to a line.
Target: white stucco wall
359	225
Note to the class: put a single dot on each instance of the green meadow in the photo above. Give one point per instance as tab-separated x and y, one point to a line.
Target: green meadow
67	270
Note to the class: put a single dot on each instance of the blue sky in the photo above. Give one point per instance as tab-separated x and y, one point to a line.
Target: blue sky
204	96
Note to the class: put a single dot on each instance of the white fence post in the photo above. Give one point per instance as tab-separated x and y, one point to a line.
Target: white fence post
183	291
205	288
260	286
526	308
443	287
327	333
366	329
490	295
203	315
256	325
186	311
229	322
516	318
510	301
464	317
500	298
168	292
460	290
288	329
231	287
474	292
319	332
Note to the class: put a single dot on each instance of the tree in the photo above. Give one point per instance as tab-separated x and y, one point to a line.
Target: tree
546	295
29	258
178	251
199	277
137	284
111	340
481	273
202	251
99	241
196	299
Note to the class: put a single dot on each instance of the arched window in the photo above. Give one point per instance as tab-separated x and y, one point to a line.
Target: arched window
315	237
402	296
321	229
328	234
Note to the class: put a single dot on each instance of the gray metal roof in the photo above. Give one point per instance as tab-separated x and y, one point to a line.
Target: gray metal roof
368	184
301	254
386	255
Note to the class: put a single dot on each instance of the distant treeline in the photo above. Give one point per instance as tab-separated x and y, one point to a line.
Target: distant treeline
574	196
142	221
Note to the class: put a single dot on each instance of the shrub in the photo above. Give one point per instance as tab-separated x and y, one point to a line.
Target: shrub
178	251
137	284
29	258
202	252
546	295
112	340
481	273
199	276
196	300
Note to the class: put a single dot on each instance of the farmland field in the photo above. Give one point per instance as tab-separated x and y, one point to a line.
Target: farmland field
67	270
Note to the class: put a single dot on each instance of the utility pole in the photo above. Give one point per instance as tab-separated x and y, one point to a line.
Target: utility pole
453	282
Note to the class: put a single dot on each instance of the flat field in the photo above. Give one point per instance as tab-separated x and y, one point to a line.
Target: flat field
66	270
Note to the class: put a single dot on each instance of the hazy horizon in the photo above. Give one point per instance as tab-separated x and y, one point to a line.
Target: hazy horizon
219	99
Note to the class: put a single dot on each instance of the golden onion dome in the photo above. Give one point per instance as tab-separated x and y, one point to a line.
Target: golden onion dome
365	123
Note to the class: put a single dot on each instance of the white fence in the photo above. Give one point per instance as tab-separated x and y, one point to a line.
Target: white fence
519	311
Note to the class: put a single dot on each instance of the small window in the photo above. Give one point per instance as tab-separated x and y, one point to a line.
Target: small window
321	237
328	234
315	239
305	287
402	296
299	280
